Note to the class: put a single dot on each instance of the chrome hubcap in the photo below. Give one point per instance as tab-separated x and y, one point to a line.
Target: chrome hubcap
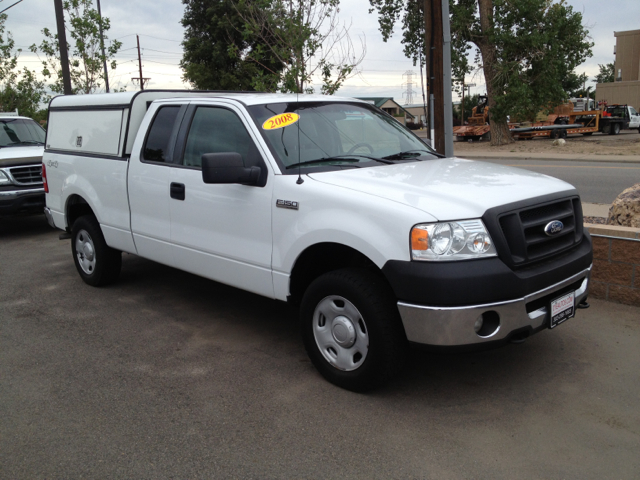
340	333
85	252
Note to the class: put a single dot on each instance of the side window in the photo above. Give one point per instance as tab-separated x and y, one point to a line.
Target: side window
157	144
217	130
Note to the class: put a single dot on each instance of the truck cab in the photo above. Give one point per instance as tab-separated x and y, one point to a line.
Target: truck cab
631	118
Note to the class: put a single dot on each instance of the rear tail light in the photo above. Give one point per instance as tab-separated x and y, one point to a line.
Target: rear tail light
44	178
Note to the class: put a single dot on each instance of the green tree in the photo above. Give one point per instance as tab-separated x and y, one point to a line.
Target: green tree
86	62
217	54
607	73
525	49
19	89
306	39
574	85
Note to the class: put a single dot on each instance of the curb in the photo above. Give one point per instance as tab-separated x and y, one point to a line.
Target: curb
591	158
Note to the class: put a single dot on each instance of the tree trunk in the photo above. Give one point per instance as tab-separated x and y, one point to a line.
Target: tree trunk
500	134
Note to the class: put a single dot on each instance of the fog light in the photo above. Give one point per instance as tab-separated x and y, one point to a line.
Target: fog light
487	324
478	325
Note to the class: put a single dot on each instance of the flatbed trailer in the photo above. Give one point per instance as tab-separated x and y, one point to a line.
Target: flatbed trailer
576	123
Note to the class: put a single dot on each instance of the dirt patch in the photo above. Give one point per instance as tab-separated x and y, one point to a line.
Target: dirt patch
597	144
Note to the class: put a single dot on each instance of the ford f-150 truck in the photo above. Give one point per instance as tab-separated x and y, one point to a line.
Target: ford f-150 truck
325	202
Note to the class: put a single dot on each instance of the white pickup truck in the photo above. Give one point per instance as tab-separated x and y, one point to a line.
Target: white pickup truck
325	202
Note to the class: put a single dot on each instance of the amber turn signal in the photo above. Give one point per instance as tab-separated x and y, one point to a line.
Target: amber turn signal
419	239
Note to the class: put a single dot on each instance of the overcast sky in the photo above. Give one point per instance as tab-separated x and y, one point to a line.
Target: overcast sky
381	73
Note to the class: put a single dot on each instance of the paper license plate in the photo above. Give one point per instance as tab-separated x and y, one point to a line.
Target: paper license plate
562	308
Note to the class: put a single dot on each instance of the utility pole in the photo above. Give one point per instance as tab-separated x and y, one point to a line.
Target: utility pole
104	58
438	37
428	67
140	64
462	106
62	46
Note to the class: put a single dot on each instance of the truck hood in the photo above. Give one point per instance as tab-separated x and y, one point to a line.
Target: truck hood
22	155
447	189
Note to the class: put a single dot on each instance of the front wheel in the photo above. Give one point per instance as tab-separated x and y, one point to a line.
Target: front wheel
96	262
352	330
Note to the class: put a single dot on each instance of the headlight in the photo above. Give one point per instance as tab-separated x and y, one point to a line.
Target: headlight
446	241
4	180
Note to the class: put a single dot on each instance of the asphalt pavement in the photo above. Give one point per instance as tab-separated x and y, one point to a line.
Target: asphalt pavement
168	375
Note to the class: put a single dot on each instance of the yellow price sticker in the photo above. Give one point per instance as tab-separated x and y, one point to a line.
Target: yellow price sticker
280	121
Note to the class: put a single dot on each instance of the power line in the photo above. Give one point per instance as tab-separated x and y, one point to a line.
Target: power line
158	38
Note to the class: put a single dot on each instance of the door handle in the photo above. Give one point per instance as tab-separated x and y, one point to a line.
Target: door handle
177	191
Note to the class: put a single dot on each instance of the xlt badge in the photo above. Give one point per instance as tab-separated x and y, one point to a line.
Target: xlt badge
287	204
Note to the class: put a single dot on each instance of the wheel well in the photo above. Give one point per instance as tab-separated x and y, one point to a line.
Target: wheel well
320	259
76	207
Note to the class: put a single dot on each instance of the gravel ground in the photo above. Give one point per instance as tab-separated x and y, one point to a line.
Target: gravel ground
627	143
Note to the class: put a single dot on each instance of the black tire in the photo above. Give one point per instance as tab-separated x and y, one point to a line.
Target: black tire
553	134
380	346
563	134
96	262
615	129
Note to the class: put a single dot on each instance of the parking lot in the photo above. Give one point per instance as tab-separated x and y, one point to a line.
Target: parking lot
168	375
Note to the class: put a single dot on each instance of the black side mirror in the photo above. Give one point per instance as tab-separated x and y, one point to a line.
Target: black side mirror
227	167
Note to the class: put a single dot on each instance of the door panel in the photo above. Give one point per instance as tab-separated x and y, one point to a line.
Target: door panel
149	186
222	232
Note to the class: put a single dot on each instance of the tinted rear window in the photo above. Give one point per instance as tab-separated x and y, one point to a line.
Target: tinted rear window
157	144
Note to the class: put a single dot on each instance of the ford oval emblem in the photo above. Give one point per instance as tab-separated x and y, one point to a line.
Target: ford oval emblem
553	228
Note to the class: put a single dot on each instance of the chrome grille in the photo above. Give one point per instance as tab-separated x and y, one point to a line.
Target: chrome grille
524	232
29	175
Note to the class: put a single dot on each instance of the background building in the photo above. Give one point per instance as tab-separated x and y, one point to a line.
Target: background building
389	105
626	87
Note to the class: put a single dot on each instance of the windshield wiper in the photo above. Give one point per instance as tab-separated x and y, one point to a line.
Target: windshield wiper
408	154
26	142
342	158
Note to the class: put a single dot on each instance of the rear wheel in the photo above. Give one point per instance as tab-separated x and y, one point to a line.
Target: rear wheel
563	134
615	129
352	330
96	262
553	134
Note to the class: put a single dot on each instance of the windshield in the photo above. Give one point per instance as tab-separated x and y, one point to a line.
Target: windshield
19	131
333	135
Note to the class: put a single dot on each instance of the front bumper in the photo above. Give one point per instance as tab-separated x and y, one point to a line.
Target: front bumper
21	200
454	326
